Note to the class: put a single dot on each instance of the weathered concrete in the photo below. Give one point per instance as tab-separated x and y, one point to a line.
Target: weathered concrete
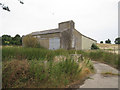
99	81
44	39
66	39
77	37
66	25
70	38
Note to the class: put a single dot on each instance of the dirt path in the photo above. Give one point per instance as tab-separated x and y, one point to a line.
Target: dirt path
98	80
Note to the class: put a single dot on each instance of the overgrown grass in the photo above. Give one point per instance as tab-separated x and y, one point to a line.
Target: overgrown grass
34	73
35	67
9	53
20	53
105	57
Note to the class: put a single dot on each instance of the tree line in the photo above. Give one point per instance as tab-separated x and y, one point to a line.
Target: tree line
8	40
117	41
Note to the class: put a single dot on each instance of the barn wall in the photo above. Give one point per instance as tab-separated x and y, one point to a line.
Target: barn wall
44	39
44	42
69	38
77	37
66	39
87	43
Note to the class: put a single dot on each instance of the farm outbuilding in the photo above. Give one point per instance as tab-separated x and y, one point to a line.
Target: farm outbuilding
65	36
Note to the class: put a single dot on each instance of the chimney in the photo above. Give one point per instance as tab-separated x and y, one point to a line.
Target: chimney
66	25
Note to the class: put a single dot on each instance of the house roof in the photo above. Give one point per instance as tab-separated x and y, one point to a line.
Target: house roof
55	31
48	31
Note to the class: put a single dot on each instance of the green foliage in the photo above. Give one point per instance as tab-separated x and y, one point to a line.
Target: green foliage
94	46
40	70
108	41
13	71
95	55
21	53
8	40
106	57
88	64
30	41
17	40
117	40
19	73
37	70
101	41
26	53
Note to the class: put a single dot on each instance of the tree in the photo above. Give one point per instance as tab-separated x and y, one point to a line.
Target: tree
117	40
94	46
30	41
101	41
6	40
108	41
17	40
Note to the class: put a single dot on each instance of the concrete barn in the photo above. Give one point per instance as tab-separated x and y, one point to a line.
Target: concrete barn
65	36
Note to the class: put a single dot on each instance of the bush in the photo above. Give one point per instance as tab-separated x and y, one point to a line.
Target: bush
94	46
101	41
108	41
8	40
14	73
30	41
106	57
117	40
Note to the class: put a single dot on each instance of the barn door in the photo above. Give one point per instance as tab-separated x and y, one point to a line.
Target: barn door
54	43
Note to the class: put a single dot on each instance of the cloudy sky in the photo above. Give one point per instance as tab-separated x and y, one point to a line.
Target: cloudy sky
97	19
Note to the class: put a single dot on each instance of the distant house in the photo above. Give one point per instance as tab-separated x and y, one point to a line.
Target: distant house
65	36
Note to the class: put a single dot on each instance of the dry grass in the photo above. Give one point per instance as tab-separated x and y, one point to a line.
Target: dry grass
37	68
107	46
113	48
110	74
13	71
35	74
